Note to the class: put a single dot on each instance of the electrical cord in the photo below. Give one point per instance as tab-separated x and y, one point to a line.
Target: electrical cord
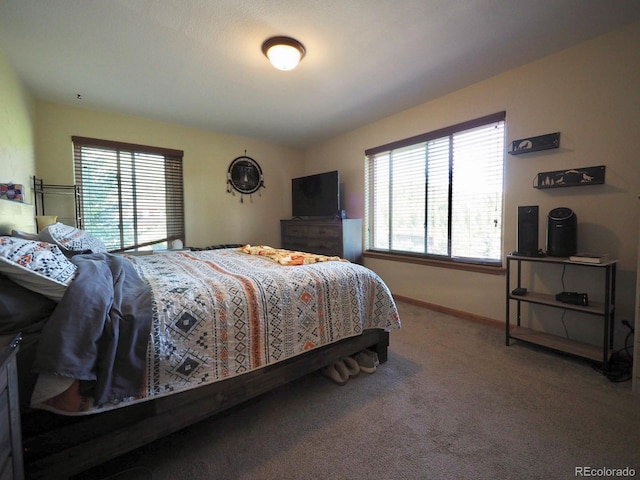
564	311
566	330
620	365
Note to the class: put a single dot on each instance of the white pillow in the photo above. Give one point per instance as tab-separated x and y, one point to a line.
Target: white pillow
71	239
38	266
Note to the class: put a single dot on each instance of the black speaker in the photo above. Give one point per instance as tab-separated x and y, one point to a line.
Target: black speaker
562	232
528	231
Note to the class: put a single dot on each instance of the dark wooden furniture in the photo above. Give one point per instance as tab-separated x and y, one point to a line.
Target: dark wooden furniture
604	309
326	237
57	446
11	465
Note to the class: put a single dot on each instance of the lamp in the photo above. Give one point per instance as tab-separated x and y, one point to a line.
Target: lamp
284	53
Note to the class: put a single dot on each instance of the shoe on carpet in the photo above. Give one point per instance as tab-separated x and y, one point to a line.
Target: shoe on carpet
376	360
352	366
337	372
367	360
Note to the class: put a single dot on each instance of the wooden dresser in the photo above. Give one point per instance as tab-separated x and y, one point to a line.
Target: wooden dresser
11	462
326	237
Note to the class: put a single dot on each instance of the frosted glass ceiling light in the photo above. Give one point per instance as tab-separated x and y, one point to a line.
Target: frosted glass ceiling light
284	53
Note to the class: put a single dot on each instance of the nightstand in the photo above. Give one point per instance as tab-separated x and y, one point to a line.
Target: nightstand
11	462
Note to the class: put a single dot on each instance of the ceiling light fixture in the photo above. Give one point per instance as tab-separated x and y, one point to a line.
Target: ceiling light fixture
284	53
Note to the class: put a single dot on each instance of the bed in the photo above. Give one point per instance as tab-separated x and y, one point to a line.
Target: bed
124	349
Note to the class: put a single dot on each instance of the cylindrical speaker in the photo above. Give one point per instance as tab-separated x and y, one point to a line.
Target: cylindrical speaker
562	232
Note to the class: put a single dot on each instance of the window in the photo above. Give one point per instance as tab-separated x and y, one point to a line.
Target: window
439	194
131	195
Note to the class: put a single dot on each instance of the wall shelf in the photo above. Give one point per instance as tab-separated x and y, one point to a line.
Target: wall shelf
535	144
573	177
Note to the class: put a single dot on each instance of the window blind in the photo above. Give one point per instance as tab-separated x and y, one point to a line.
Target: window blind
440	193
131	195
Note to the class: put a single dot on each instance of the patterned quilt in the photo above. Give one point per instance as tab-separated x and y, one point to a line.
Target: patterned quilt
220	313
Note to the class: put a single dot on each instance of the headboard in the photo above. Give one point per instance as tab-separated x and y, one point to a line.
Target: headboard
16	216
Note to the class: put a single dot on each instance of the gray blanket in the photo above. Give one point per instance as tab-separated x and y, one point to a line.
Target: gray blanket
99	331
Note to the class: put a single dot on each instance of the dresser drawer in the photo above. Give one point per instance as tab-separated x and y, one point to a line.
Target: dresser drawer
294	230
11	467
323	248
324	242
5	421
329	232
6	460
295	243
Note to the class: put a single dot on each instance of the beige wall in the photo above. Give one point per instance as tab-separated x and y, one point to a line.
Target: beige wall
17	161
588	93
212	215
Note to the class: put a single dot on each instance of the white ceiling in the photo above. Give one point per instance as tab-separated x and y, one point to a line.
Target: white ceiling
199	63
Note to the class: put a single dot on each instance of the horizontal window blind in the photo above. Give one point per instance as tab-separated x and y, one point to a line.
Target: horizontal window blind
439	194
131	195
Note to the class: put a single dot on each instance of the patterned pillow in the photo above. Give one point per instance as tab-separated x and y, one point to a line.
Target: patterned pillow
72	240
38	266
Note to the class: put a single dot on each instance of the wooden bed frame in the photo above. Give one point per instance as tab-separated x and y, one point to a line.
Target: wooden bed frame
57	446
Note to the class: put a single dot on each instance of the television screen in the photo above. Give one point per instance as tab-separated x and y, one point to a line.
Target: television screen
316	195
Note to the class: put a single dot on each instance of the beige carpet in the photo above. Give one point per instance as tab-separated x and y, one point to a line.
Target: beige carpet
452	402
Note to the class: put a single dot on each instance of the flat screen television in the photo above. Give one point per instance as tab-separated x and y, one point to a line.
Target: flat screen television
316	195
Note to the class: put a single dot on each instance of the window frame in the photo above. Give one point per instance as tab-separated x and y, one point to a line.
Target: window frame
466	263
173	174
